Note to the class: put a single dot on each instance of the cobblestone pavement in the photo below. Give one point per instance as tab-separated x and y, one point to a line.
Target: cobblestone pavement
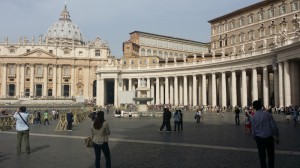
137	143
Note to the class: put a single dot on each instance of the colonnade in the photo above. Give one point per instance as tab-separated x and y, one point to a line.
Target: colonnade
230	87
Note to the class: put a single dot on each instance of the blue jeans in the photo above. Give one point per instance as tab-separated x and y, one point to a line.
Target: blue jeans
104	147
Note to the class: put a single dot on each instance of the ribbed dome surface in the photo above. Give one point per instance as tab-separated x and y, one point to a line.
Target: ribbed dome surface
64	29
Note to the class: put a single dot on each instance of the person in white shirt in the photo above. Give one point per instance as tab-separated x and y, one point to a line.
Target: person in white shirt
22	129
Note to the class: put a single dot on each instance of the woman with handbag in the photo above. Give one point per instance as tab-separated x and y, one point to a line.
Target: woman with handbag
100	132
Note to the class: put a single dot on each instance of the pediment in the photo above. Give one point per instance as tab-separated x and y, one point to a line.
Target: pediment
39	53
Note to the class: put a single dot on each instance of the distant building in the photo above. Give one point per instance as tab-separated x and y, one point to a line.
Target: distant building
58	64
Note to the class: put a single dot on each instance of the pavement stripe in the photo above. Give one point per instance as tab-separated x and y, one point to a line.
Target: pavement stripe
282	152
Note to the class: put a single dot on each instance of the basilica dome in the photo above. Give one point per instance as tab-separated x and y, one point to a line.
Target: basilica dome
64	31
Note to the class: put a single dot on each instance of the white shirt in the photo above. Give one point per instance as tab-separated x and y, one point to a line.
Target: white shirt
20	124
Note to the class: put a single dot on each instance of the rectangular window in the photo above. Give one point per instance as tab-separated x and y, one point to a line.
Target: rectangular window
262	33
251	35
50	80
27	80
250	19
271	13
261	16
80	53
12	50
241	21
51	51
295	6
97	52
282	10
28	50
232	26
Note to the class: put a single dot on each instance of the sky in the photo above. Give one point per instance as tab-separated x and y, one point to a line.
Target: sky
113	20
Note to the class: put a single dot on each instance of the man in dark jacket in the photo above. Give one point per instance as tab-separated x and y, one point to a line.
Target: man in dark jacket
166	120
69	120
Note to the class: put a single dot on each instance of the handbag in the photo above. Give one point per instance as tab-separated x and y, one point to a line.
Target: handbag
88	141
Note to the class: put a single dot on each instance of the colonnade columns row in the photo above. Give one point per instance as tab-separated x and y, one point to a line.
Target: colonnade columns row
204	99
116	83
233	89
244	88
18	80
167	100
185	90
175	90
266	86
194	90
287	84
45	80
254	85
31	80
213	90
54	81
157	100
22	78
224	96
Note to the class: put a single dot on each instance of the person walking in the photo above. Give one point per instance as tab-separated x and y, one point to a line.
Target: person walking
100	131
181	120
46	117
264	131
70	120
237	115
198	116
22	128
176	117
166	120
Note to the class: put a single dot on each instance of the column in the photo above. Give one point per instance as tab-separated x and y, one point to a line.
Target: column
194	90
171	91
185	92
129	84
276	87
213	90
54	89
100	91
224	96
31	80
204	99
266	86
167	98
59	86
254	85
190	92
157	100
86	81
116	92
152	90
287	84
162	93
73	82
45	80
244	88
18	81
22	80
233	89
200	90
4	81
148	86
280	84
175	90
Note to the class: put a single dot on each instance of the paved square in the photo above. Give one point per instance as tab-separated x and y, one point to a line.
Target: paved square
137	143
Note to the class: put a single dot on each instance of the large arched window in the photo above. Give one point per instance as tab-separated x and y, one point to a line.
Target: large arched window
143	52
80	72
155	53
165	54
11	70
67	71
27	71
148	52
50	72
160	53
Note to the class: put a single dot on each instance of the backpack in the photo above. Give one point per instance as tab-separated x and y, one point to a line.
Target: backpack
177	117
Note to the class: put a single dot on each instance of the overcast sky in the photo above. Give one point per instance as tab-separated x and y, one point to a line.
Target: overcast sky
113	20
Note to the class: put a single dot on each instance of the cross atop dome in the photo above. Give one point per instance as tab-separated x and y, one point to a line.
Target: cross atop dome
65	14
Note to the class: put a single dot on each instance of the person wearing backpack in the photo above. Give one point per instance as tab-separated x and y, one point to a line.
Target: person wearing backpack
177	119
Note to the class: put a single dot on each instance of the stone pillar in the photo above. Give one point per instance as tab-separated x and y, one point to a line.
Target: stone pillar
73	80
148	86
276	88
171	91
59	86
224	96
244	88
287	84
45	87
22	80
181	91
254	85
18	81
185	92
194	90
280	84
167	98
86	81
116	103
31	80
204	99
175	90
4	81
54	91
190	92
162	94
266	86
213	90
233	89
152	90
199	90
129	84
100	91
157	100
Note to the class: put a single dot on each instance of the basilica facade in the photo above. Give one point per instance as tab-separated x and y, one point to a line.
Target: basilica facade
56	65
